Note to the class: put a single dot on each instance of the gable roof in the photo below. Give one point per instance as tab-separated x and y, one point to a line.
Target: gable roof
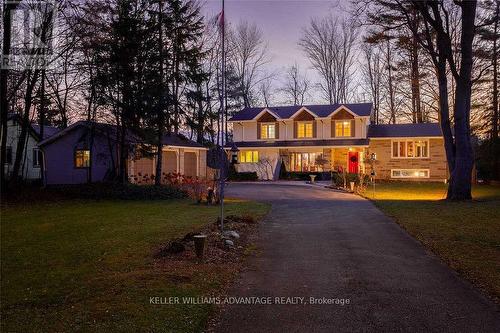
286	112
179	140
176	140
404	130
47	130
34	129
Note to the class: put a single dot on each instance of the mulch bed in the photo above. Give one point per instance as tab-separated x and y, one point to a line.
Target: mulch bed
182	249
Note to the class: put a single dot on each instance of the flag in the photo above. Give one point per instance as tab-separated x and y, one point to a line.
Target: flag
218	20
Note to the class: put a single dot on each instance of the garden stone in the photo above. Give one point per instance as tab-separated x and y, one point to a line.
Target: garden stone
232	234
228	243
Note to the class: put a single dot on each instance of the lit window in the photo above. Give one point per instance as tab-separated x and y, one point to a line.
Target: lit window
343	128
410	149
82	158
410	173
267	131
249	156
305	130
37	158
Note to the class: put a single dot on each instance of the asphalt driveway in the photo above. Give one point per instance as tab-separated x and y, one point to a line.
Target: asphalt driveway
339	248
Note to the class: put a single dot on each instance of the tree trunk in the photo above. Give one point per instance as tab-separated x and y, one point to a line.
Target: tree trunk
494	120
160	115
444	115
391	88
4	104
460	188
415	83
25	123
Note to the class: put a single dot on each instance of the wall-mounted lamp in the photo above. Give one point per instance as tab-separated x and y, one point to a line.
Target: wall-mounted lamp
234	154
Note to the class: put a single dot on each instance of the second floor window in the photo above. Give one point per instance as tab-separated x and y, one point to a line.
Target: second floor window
342	128
268	131
82	158
305	130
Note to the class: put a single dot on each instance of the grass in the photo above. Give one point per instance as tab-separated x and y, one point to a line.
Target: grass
88	265
466	235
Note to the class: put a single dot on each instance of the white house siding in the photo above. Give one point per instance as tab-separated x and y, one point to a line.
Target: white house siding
247	131
28	172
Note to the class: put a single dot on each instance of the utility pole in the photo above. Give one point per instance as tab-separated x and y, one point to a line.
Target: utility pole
222	159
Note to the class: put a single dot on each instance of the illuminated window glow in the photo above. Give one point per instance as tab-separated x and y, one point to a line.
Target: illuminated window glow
268	131
249	156
305	130
409	173
343	128
410	149
82	158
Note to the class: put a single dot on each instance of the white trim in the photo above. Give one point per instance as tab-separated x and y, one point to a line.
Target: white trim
406	138
264	110
406	148
340	108
296	147
411	170
183	147
303	109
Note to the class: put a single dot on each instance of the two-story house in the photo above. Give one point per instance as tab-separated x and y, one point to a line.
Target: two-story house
314	138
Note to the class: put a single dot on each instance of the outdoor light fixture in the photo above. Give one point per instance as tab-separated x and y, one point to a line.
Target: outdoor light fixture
373	156
234	154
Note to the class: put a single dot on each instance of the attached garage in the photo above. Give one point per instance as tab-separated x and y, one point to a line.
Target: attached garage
180	155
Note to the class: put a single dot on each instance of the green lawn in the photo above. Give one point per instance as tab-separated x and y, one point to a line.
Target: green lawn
466	235
88	265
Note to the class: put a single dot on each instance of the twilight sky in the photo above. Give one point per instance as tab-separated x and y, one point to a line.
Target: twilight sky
281	22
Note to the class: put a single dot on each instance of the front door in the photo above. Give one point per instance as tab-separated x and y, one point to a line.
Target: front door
353	162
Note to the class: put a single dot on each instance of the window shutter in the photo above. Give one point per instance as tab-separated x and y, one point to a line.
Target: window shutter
258	130
333	128
314	128
353	128
295	124
277	129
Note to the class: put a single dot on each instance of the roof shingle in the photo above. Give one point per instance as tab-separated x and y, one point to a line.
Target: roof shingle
404	130
285	112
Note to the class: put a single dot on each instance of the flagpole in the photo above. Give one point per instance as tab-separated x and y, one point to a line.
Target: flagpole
223	109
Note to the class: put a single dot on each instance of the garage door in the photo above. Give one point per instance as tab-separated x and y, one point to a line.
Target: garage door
169	162
143	167
190	164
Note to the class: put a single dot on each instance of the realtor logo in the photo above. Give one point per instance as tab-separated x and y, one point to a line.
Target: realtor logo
32	26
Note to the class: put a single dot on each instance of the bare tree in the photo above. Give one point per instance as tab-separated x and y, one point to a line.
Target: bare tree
329	44
248	57
373	73
296	85
266	91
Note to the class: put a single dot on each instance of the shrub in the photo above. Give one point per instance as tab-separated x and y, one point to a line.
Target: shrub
243	176
101	191
325	175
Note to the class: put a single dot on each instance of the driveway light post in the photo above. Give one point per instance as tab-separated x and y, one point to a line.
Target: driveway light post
373	158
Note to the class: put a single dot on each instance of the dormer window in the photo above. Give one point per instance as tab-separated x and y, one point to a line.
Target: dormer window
268	131
342	128
305	129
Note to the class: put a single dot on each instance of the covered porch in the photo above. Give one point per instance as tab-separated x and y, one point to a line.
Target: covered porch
325	159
